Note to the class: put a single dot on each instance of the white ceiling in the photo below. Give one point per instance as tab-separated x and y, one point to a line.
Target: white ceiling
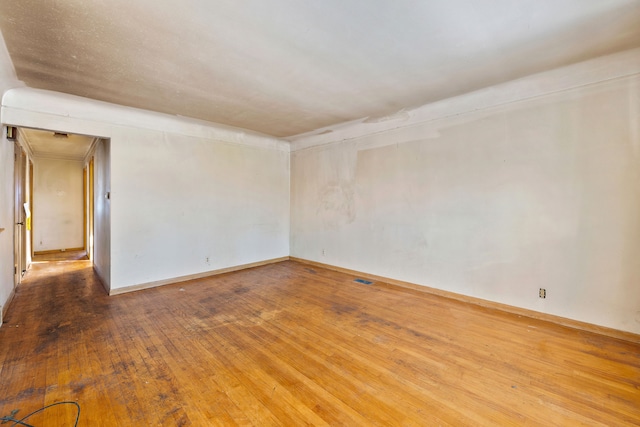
285	67
46	144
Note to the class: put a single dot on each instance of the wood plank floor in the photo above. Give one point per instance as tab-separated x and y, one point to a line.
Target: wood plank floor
287	344
61	256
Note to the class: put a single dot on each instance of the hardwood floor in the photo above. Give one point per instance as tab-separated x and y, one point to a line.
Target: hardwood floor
71	255
287	344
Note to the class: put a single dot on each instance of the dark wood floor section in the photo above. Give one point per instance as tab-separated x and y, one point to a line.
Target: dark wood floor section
286	344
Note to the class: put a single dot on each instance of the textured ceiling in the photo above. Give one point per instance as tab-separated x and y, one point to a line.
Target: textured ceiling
285	67
45	144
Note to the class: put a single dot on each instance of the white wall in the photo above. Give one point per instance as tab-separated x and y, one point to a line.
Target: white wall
58	204
6	219
102	212
187	205
186	197
8	80
493	203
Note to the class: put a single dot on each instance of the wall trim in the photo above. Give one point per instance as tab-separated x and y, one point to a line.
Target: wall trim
615	66
179	279
55	251
57	111
558	320
91	151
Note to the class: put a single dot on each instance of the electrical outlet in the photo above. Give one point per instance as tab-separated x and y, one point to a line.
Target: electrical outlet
324	252
206	260
542	293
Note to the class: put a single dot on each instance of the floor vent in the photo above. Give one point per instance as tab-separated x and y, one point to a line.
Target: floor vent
364	282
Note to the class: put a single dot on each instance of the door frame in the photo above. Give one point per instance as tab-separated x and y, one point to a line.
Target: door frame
89	208
20	232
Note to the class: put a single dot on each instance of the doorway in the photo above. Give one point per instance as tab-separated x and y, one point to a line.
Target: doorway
54	217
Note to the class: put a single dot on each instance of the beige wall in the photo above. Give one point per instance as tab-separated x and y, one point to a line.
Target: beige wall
494	203
57	205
